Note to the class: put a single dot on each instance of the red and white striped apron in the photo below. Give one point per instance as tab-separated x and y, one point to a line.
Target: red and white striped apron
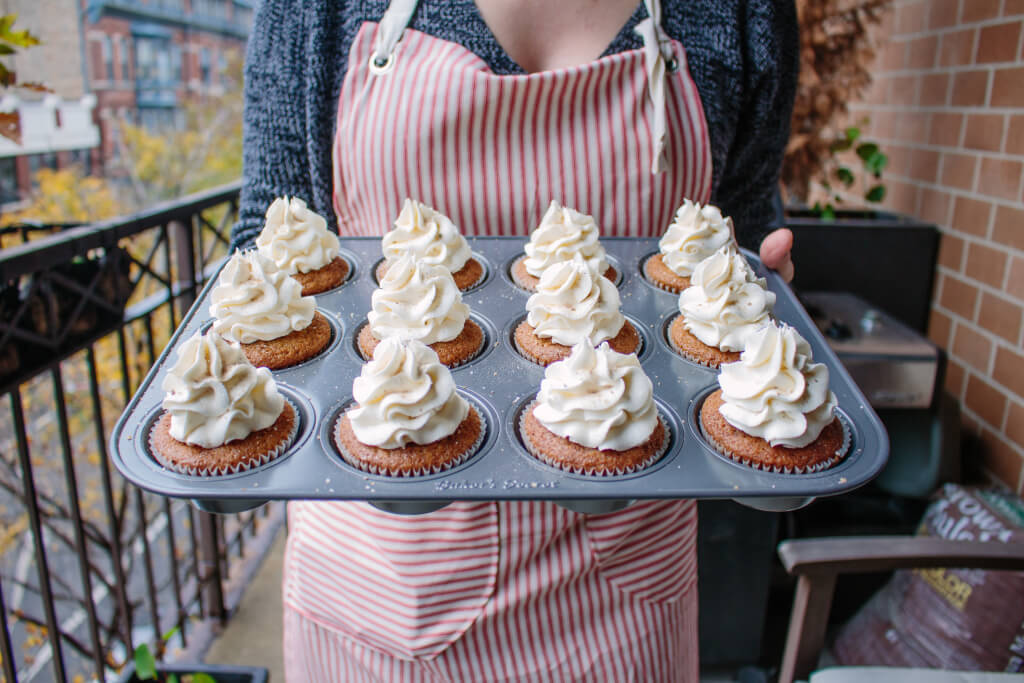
508	591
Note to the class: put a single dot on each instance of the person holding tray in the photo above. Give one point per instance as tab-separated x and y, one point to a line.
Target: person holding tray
488	111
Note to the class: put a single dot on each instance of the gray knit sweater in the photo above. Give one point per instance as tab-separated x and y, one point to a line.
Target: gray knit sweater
743	55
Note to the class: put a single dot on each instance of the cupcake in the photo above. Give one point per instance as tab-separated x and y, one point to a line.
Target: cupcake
723	306
595	414
562	234
221	414
696	233
417	300
431	237
774	410
298	242
573	305
408	418
261	307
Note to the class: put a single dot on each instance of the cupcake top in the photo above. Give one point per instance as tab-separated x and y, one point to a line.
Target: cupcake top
295	238
405	395
597	398
215	395
254	300
725	301
417	300
573	304
696	233
775	391
562	234
428	235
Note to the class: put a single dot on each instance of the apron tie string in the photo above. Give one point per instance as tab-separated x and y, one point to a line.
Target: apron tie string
659	58
389	31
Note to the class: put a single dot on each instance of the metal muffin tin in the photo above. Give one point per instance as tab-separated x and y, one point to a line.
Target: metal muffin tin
500	383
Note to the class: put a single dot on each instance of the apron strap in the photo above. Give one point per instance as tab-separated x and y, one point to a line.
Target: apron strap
658	57
396	18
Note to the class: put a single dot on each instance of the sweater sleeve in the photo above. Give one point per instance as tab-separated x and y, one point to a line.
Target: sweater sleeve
274	157
750	175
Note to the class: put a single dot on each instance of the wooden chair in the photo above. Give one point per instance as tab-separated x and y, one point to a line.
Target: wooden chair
817	562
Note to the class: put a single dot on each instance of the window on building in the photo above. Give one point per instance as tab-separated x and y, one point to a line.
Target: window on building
8	180
125	48
177	73
204	65
107	50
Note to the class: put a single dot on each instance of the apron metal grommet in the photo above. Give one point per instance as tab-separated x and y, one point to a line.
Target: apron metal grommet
672	64
381	65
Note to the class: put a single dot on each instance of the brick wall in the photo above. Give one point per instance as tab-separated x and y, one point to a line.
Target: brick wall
947	105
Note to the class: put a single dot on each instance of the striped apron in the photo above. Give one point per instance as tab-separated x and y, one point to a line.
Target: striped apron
506	591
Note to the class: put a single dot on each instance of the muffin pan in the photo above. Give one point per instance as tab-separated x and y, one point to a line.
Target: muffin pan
501	382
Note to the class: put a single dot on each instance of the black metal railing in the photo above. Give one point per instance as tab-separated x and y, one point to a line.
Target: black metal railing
91	566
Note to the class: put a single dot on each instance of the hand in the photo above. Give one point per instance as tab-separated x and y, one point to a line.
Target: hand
775	252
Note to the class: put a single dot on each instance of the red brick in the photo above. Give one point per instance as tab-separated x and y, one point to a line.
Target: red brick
935	206
899	159
986	264
944	129
972	347
903	90
940	328
892	56
934	90
912	18
969	88
998	43
901	197
959	296
1015	423
1009	370
1000	178
1015	283
921	52
984	132
957	47
971	216
951	251
978	10
1000	316
924	165
1001	459
1013	7
985	401
1015	135
958	170
1006	87
1008	228
913	127
955	375
943	13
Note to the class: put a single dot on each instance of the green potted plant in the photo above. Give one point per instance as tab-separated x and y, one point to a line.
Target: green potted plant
145	667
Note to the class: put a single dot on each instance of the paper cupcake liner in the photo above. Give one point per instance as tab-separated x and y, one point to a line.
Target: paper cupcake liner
594	472
515	280
680	352
483	275
418	472
813	469
655	281
235	468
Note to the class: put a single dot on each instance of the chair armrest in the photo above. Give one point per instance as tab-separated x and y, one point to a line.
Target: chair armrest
881	553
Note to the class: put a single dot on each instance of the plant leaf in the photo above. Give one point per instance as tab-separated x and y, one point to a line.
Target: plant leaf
172	678
202	678
170	634
829	213
145	664
6	49
866	149
845	175
875	194
839	146
852	133
876	163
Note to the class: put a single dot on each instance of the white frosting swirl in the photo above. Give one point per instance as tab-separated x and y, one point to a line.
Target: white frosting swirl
296	238
215	395
562	234
598	398
255	301
428	235
725	301
775	391
574	304
404	395
417	300
696	233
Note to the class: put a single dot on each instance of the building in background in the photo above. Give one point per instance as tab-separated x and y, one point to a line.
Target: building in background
108	61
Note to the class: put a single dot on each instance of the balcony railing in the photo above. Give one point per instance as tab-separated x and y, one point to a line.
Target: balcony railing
90	566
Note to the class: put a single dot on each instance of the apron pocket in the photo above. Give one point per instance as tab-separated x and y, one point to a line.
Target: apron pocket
406	586
648	550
